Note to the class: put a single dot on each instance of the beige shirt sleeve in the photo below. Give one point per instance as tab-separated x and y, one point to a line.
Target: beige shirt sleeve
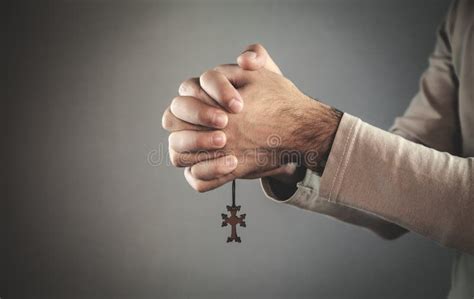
416	187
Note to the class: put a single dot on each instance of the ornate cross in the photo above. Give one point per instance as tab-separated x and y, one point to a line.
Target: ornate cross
233	220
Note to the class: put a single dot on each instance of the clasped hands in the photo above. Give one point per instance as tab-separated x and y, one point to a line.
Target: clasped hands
245	120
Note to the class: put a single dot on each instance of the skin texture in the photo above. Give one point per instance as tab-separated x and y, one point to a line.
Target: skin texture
218	138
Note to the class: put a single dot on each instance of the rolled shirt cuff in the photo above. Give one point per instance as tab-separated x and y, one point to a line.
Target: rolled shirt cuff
314	187
313	192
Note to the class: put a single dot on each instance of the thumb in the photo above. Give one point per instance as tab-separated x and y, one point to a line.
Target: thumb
255	57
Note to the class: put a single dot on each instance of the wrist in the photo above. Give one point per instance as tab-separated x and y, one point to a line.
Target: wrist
314	134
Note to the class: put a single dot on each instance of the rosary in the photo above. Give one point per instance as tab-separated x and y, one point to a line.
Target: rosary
233	219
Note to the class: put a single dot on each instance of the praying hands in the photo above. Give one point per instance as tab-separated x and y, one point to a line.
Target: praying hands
246	121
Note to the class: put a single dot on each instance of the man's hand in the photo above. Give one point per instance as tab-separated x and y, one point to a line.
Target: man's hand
263	137
253	57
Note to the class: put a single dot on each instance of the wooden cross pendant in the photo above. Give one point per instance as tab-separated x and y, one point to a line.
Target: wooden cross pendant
233	219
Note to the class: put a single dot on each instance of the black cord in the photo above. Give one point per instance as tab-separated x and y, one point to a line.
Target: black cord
233	193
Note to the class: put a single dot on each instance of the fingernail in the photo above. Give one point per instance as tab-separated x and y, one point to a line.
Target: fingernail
236	105
218	139
220	119
249	54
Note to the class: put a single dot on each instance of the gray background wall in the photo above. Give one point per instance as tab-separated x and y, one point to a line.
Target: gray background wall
88	217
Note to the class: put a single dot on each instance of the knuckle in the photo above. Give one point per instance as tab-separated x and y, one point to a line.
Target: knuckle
204	76
207	75
173	141
174	103
256	46
205	115
175	159
227	94
200	187
167	120
203	141
222	168
170	139
195	172
188	87
220	68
